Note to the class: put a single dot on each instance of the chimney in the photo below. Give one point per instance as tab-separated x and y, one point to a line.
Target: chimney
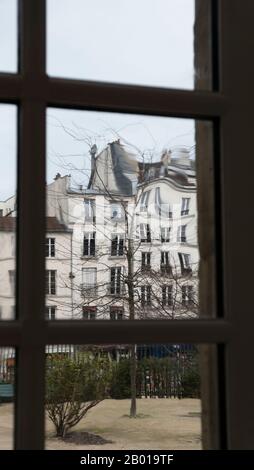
165	161
58	175
93	152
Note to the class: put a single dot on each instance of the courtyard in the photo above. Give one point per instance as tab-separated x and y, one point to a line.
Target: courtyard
162	424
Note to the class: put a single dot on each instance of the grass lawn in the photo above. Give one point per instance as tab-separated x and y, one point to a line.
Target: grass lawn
162	424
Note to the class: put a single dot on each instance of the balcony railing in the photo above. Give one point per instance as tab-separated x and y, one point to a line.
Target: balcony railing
88	291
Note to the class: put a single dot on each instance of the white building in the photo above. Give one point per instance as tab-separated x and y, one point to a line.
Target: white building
58	269
154	205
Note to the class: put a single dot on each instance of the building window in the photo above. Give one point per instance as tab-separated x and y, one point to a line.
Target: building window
50	248
89	313
116	281
50	313
187	295
89	244
145	261
12	280
51	282
145	295
1	213
145	234
117	244
167	298
181	234
116	313
116	211
144	201
89	210
185	262
165	234
89	279
185	206
165	262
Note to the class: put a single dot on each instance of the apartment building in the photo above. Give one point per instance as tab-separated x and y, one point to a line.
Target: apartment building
134	235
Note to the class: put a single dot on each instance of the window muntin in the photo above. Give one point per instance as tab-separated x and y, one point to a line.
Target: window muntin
50	282
165	234
145	233
89	281
167	295
50	247
116	313
145	261
181	234
89	244
146	292
89	210
144	201
116	286
89	313
50	313
185	208
117	244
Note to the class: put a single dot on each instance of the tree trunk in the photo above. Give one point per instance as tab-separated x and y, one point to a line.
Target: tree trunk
131	301
133	373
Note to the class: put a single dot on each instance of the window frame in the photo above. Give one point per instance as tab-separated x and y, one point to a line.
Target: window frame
229	107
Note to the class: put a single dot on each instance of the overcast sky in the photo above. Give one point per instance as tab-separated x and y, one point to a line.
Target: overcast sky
148	42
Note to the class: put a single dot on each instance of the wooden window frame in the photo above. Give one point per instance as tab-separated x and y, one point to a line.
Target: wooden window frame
229	107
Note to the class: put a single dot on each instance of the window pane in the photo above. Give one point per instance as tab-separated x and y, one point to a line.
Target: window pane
8	36
7	394
148	260
8	211
143	43
164	382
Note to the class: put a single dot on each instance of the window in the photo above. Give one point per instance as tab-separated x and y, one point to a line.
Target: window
145	296
165	234
117	244
51	313
89	313
145	234
89	279
1	212
51	282
227	101
117	211
187	295
89	210
116	281
12	280
165	262
145	261
185	262
116	313
144	201
89	244
181	234
50	247
185	206
167	299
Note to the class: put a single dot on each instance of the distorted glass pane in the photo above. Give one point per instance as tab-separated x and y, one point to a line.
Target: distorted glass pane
143	43
8	211
92	392
122	237
7	395
8	35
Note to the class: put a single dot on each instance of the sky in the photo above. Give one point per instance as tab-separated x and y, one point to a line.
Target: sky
148	42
